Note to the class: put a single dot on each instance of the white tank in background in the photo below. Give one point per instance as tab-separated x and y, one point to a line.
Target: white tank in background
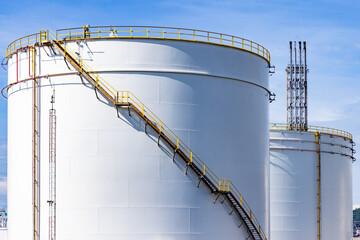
112	180
299	207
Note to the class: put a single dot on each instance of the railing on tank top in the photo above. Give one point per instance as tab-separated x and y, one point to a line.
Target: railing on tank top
118	97
309	128
147	32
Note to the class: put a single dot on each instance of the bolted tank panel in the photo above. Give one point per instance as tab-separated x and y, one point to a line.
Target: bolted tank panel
294	187
113	181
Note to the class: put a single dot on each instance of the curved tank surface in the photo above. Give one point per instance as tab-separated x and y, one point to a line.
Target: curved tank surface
113	180
298	162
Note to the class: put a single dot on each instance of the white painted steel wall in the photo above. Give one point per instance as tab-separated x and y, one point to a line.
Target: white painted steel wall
3	234
293	186
113	181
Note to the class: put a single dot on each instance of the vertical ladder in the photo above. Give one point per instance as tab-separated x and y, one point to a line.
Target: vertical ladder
35	156
52	171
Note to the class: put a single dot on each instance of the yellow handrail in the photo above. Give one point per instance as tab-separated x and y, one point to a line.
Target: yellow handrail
149	32
129	97
309	128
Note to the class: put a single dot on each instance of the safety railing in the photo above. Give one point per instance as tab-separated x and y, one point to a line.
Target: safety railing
183	34
309	128
30	40
127	97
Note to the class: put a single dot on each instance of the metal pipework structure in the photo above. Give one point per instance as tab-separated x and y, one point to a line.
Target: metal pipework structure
297	87
52	170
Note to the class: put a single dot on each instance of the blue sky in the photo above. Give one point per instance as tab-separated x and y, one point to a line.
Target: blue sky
330	27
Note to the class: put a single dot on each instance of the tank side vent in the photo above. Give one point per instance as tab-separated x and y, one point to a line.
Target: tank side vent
126	99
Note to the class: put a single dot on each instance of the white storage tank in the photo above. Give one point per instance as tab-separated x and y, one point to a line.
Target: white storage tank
299	161
112	180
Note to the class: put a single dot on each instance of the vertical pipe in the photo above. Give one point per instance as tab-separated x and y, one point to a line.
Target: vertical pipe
300	100
317	142
29	61
289	91
33	61
305	86
296	85
17	67
35	157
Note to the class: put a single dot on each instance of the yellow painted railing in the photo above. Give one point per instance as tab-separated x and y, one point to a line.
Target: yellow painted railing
314	129
169	33
128	97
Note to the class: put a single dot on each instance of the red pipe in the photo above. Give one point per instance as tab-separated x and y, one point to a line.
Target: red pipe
29	62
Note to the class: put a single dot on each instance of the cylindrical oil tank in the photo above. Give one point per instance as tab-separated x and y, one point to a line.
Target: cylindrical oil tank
310	183
112	179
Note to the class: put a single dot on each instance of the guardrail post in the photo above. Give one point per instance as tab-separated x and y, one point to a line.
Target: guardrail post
127	97
228	185
240	200
191	156
179	33
163	32
194	35
177	143
220	185
204	171
143	110
208	36
220	38
147	32
242	44
131	31
251	215
232	41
